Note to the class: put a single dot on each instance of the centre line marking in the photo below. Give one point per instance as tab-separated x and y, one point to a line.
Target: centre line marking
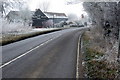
7	63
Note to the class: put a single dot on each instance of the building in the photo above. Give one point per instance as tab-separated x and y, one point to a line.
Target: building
13	16
39	19
56	17
48	19
17	16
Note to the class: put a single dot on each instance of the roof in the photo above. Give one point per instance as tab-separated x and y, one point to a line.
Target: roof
55	15
48	14
13	13
16	13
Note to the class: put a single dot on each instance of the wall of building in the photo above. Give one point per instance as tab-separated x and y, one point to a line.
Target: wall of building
57	20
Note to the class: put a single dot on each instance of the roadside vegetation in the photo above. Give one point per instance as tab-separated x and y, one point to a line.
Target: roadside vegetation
100	44
99	55
10	38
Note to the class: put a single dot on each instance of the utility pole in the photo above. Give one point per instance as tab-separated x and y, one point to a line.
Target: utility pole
118	32
119	45
118	4
53	20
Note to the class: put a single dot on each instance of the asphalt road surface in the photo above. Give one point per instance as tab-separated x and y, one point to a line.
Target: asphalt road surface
51	55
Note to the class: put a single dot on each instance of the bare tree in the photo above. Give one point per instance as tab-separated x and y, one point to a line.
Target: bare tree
44	6
7	5
101	12
3	6
72	17
26	16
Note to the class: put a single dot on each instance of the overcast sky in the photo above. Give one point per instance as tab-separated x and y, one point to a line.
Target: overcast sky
58	6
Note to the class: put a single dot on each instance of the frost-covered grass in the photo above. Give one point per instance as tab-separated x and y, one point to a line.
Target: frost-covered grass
15	31
14	27
13	37
99	56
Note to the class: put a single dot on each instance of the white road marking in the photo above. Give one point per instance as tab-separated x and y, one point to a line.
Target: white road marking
78	54
7	63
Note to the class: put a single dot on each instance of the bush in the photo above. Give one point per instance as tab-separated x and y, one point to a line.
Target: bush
97	64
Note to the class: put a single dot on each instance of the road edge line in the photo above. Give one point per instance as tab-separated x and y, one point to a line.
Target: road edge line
78	54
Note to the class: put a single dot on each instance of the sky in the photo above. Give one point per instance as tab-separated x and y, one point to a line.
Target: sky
59	6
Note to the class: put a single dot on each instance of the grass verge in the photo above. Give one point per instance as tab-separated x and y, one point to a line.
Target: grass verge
94	62
13	38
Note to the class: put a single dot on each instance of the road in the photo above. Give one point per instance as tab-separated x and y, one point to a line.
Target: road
51	55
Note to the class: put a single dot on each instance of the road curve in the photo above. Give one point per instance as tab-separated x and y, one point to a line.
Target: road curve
56	58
